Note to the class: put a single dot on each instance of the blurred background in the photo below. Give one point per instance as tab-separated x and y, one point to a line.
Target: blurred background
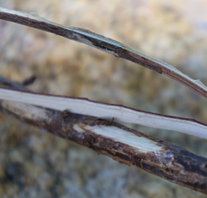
34	163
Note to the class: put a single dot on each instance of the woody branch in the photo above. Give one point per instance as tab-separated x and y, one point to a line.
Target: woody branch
114	140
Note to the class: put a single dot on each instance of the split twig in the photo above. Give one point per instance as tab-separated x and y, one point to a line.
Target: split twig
108	45
120	113
77	122
107	111
115	140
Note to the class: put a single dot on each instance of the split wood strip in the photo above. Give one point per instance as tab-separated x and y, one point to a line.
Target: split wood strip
116	141
108	45
107	111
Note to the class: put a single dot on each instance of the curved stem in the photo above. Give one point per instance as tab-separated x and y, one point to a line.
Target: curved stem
105	44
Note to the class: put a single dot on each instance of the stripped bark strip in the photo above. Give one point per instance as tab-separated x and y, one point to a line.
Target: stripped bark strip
108	45
107	111
118	142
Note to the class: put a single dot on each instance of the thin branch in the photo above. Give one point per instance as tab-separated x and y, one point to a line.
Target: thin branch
105	44
116	141
107	111
107	137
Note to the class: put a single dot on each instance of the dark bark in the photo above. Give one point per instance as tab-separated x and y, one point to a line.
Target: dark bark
105	44
171	162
